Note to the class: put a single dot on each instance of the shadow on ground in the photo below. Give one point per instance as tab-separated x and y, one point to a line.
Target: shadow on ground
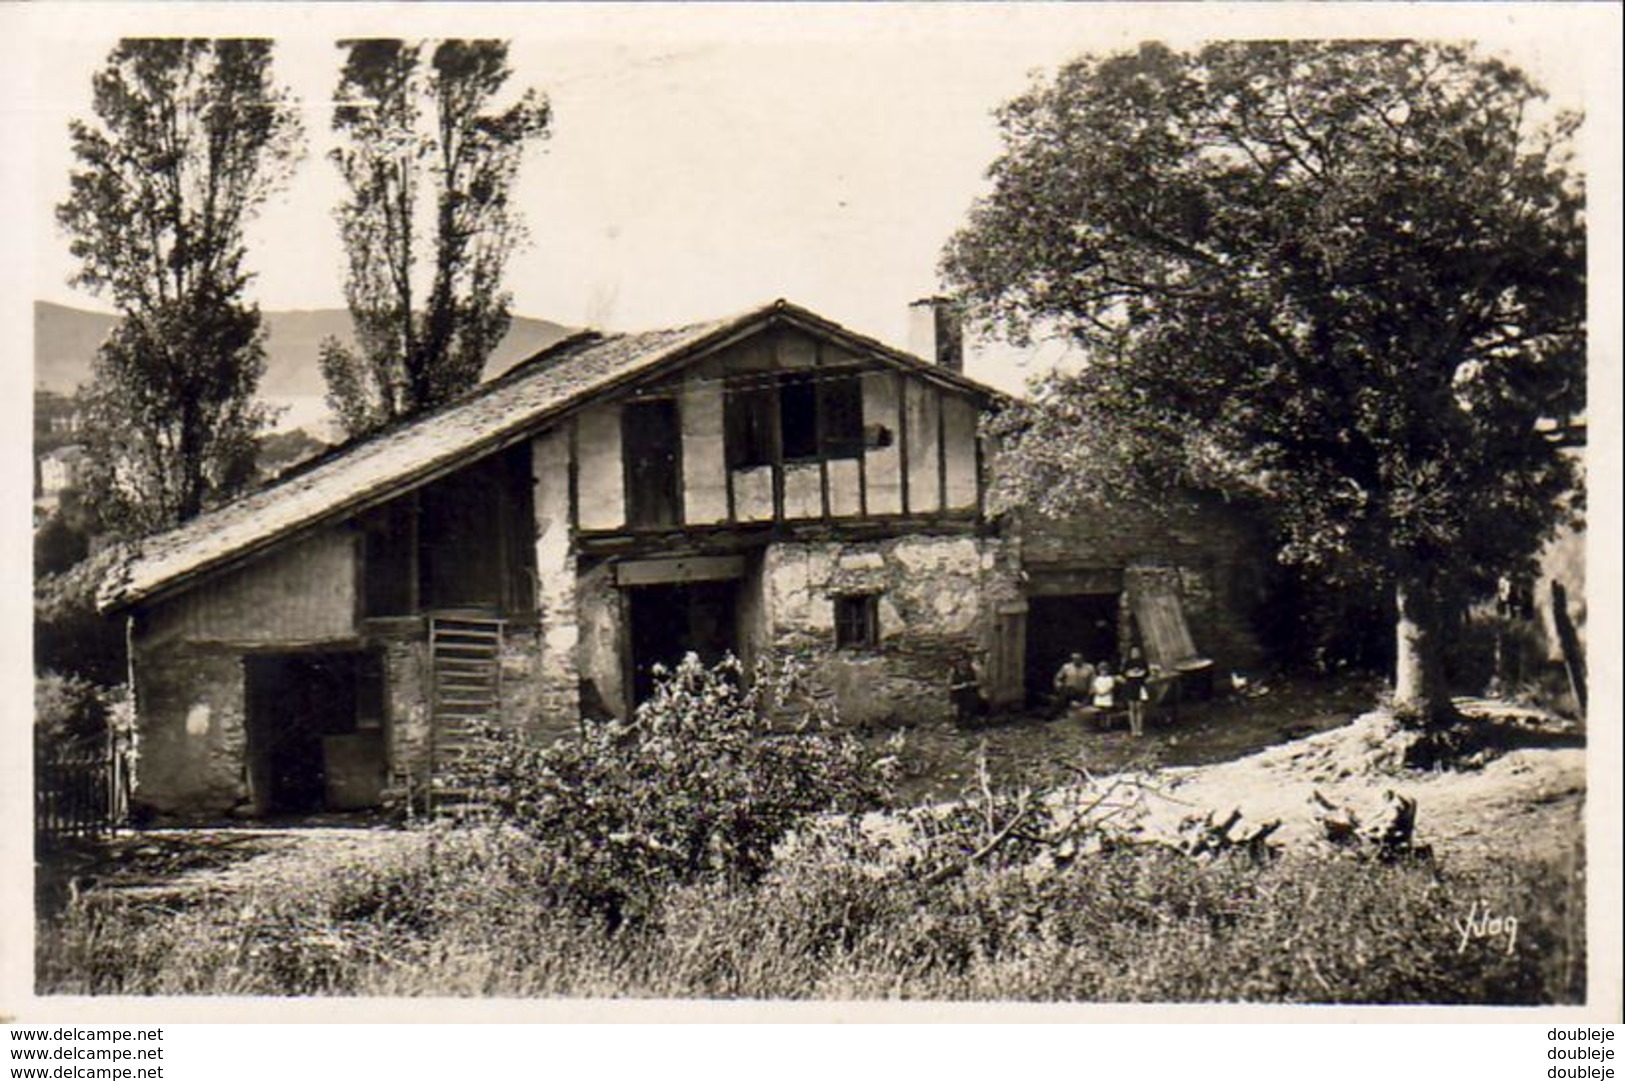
135	860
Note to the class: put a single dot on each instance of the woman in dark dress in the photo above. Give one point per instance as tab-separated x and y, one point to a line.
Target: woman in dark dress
1136	674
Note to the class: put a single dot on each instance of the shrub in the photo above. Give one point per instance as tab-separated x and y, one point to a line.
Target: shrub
72	714
709	776
70	635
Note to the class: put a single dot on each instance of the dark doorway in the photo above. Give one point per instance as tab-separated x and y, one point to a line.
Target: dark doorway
315	733
669	621
652	436
1058	627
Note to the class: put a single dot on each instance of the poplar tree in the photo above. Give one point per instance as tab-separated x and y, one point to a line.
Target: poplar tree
428	158
190	137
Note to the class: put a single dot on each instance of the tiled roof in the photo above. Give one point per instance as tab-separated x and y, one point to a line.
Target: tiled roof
358	475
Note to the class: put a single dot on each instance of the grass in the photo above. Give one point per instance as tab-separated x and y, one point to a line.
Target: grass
694	852
455	913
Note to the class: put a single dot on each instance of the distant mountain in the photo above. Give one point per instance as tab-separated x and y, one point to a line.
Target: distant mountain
66	339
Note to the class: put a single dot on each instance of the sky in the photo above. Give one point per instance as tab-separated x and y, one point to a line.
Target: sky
707	158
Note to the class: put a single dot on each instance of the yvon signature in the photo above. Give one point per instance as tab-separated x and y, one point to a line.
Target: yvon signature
1482	926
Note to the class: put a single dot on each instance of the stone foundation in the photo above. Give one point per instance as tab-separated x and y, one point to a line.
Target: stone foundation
191	743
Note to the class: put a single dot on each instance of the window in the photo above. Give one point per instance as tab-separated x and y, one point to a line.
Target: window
857	621
651	434
798	416
750	409
818	412
841	417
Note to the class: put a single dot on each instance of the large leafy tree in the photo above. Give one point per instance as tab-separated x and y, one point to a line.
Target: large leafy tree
189	139
1343	278
428	160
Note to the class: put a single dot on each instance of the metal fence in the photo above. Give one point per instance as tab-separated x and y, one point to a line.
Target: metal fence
84	793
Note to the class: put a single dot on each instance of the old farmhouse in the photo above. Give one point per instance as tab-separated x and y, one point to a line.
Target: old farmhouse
766	484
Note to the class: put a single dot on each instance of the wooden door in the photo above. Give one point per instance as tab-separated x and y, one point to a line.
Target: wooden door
1007	660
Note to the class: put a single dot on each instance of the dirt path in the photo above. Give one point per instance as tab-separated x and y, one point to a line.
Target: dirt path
1031	748
1528	800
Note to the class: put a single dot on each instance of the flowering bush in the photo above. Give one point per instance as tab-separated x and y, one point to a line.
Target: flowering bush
706	779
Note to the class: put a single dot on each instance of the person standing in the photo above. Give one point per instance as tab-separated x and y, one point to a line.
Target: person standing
1136	676
965	680
1072	683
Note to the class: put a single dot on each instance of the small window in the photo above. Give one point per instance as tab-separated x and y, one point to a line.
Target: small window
857	621
817	413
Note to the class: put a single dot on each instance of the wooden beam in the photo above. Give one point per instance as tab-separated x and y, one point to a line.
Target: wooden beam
358	567
1073	581
776	427
729	450
819	412
414	557
753	535
573	471
981	493
863	451
902	439
623	643
649	572
678	478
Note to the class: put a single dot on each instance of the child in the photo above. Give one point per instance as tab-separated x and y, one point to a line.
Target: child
1103	689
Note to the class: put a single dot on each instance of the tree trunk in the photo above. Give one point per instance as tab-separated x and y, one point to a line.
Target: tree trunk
1421	695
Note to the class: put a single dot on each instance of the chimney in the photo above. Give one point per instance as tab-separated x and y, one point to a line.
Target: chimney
935	334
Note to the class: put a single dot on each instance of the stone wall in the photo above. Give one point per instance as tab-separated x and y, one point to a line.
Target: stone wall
935	596
598	650
407	685
556	697
191	740
1217	554
521	668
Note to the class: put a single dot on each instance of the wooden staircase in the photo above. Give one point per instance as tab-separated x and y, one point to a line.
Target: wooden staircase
465	651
